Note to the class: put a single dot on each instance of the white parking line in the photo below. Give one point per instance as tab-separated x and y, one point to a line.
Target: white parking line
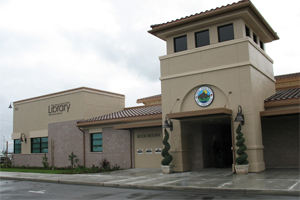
294	185
143	181
38	192
171	181
229	183
125	179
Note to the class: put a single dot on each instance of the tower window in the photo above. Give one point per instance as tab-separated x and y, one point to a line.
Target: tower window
202	38
180	43
225	32
255	38
261	44
247	31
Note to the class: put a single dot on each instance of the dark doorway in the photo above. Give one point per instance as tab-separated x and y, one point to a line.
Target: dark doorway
280	136
222	148
210	142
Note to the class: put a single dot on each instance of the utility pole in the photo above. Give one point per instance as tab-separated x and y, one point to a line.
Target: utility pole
3	143
6	152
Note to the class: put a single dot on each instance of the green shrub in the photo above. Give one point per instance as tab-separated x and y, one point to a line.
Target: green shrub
73	159
165	152
45	162
242	158
116	167
104	163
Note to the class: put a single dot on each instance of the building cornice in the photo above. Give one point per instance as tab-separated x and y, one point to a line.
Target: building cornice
72	91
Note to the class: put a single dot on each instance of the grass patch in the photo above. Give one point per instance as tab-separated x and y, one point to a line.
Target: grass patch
45	171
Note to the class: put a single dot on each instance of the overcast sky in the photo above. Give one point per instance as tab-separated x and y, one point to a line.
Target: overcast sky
51	46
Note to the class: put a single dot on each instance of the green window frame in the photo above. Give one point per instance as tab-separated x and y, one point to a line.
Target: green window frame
39	145
17	146
96	142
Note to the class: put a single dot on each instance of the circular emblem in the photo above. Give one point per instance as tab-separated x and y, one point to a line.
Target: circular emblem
204	96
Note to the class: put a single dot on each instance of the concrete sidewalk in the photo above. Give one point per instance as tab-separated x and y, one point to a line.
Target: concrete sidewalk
270	182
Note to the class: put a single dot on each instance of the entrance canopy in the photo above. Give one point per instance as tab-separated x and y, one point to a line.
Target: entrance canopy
198	113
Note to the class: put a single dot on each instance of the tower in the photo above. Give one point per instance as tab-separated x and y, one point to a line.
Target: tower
222	49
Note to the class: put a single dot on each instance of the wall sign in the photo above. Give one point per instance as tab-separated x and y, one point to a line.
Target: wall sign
204	96
158	150
56	109
139	151
148	151
148	135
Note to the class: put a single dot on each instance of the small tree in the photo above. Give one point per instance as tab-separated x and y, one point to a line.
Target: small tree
45	161
165	152
104	163
242	158
73	159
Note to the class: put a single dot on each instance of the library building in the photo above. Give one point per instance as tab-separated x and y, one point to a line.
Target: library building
216	68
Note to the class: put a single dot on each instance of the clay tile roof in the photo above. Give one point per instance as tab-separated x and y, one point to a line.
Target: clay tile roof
151	97
284	76
293	93
126	113
198	14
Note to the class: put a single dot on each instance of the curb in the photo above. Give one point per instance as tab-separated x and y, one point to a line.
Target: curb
170	188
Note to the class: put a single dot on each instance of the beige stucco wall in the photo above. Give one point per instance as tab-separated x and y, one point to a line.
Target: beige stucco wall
32	116
238	66
213	33
148	138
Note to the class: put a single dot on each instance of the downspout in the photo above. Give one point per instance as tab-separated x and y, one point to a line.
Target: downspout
131	148
83	144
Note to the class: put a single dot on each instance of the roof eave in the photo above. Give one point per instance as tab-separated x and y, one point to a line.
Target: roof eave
148	100
282	102
122	120
156	31
274	34
211	13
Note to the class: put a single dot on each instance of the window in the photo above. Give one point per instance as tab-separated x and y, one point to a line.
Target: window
96	142
180	43
247	31
261	44
17	146
202	38
255	38
225	32
39	145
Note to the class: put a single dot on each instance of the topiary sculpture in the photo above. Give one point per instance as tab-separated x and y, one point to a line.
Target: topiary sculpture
242	158
165	152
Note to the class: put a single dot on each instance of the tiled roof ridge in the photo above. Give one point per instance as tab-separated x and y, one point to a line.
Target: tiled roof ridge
293	93
127	113
284	76
197	14
150	97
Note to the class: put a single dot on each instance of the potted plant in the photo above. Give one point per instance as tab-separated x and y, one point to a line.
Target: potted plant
242	165
166	168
